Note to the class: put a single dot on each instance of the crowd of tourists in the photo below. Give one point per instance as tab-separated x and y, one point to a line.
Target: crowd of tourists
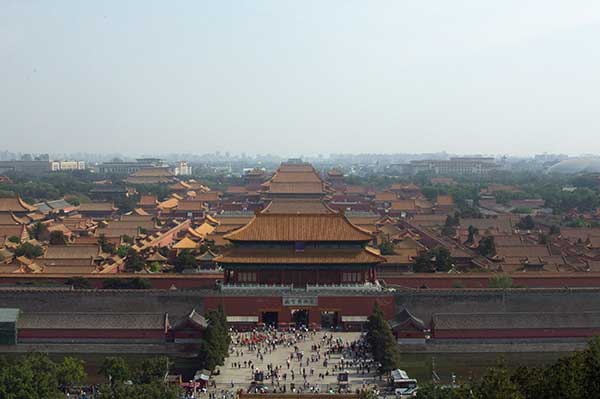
298	360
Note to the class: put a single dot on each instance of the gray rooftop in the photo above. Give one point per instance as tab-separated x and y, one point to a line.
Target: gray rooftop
94	321
515	320
9	315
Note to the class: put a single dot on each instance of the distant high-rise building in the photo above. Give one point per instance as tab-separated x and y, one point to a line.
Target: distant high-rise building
183	169
461	166
67	165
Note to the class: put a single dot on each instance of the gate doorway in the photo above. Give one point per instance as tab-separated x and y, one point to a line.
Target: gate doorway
300	317
329	319
270	319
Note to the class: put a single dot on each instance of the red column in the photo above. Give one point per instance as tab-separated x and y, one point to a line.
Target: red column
314	318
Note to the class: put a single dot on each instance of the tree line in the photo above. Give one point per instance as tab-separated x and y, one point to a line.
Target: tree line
37	376
575	376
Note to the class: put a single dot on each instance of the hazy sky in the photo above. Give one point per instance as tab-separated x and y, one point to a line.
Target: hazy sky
300	77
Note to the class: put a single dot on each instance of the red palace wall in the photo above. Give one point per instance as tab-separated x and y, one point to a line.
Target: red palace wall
516	333
480	280
344	305
206	280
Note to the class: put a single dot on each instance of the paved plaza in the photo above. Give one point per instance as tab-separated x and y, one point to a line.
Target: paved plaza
295	361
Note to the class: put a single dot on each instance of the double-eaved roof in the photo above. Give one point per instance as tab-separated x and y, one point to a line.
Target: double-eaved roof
300	227
297	206
295	178
309	256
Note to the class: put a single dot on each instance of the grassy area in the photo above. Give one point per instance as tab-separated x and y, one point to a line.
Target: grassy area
468	365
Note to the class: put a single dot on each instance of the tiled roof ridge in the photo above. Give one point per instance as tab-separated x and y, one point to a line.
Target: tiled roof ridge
298	215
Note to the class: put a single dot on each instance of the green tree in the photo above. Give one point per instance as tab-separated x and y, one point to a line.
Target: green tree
442	261
29	250
150	370
17	380
471	237
450	225
564	379
122	250
521	210
45	374
70	372
39	231
215	344
14	239
126	205
116	371
387	247
57	237
496	384
500	282
124	284
487	246
436	259
382	342
33	376
155	267
591	369
106	246
526	223
134	261
185	260
429	391
207	245
554	230
153	390
127	239
423	264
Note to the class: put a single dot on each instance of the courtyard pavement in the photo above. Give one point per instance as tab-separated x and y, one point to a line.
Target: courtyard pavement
318	355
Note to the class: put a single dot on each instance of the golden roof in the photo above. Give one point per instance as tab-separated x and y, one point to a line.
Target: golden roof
168	204
186	243
299	227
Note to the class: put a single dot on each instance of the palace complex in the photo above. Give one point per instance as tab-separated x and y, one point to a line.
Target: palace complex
289	248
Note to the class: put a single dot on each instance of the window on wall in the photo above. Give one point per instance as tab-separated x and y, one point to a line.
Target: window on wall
247	277
351	277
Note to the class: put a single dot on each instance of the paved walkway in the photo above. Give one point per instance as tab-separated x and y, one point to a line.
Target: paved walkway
294	361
